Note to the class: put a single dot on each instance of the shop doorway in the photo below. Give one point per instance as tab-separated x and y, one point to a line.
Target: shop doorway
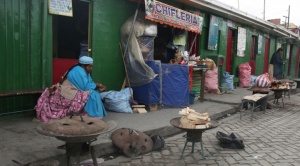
70	38
290	60
297	63
252	55
164	37
266	58
69	32
230	50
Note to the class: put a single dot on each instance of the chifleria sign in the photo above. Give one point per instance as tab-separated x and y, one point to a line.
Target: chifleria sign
166	14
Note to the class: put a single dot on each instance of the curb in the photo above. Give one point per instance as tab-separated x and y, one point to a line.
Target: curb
221	102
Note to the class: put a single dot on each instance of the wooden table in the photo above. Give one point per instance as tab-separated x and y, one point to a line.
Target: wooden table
202	74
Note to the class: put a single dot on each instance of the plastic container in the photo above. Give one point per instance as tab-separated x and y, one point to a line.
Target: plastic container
192	97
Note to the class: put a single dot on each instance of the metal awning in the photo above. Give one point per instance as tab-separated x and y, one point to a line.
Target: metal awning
239	16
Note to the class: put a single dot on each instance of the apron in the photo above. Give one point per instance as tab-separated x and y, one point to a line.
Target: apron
270	71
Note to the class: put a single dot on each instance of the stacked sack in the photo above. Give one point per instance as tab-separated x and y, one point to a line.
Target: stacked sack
245	75
211	79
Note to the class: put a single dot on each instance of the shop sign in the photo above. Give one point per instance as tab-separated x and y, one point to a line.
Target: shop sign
259	45
241	43
213	35
166	14
61	7
288	47
231	24
278	45
267	35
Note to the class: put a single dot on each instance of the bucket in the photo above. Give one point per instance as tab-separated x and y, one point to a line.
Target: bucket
192	97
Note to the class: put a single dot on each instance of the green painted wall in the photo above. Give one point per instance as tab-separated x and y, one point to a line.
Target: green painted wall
222	46
26	46
293	64
25	49
107	18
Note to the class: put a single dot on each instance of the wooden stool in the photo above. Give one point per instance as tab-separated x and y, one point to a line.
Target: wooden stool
253	102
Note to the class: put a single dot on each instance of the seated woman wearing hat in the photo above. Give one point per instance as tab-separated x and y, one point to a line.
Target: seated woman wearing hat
75	93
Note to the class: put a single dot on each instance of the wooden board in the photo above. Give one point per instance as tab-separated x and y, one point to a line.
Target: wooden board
140	110
138	106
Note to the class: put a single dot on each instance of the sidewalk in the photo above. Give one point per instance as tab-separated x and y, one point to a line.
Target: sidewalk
20	141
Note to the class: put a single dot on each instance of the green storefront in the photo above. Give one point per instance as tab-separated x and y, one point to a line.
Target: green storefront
31	39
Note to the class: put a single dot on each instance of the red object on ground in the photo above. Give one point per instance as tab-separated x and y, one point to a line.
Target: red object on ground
60	67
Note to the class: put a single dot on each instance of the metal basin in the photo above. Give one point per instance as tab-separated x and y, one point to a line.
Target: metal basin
176	122
75	130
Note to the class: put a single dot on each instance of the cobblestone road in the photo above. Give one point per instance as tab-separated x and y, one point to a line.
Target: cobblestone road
270	139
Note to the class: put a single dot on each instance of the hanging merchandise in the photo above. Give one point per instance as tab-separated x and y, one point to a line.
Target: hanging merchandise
245	75
179	37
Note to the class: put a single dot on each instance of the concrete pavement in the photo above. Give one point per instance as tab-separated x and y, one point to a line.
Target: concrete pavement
271	139
19	140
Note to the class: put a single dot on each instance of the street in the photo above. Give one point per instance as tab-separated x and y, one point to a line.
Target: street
270	139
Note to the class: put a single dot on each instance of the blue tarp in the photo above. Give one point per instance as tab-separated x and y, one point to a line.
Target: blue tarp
175	85
150	94
170	88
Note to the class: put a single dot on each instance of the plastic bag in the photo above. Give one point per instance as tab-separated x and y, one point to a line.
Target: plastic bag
228	81
139	73
263	81
117	101
230	142
253	78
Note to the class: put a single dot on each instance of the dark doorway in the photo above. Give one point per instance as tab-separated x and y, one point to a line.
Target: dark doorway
297	63
230	50
252	55
290	60
266	58
164	36
69	32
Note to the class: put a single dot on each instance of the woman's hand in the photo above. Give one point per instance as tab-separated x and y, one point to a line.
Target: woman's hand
100	87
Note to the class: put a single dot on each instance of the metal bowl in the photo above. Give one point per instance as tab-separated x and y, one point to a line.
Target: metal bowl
176	122
110	125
